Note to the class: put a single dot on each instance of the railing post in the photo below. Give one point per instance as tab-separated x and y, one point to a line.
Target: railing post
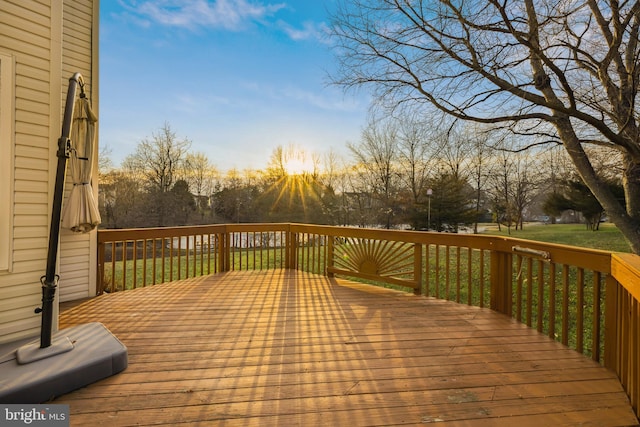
329	262
501	281
224	251
292	250
100	281
417	268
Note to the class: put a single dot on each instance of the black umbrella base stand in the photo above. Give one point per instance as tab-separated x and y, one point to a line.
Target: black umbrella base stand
77	357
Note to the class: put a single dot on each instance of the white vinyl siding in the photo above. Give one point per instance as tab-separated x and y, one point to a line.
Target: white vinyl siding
6	159
77	251
28	34
47	41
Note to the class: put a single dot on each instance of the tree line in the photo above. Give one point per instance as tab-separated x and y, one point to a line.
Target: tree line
404	172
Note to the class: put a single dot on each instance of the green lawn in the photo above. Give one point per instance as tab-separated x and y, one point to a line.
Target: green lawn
608	238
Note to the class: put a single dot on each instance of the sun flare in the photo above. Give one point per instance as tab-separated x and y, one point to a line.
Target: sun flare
298	165
295	183
295	161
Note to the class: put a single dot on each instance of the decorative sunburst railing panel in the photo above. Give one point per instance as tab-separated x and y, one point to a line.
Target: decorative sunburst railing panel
389	261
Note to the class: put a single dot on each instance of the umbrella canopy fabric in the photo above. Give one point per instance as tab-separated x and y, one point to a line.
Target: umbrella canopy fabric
80	213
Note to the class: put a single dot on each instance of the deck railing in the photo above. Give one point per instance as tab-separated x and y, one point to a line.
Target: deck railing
586	299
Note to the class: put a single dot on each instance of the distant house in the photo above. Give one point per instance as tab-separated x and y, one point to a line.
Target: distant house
42	44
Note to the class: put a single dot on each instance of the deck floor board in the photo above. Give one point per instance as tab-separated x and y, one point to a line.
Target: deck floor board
281	347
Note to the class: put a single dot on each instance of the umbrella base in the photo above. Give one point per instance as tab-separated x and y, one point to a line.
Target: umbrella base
32	352
95	354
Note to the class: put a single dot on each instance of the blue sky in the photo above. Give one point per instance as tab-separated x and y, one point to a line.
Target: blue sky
236	77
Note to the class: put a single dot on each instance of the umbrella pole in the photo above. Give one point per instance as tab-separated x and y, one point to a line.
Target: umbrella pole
50	279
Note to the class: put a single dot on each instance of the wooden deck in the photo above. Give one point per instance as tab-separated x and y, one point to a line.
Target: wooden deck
284	348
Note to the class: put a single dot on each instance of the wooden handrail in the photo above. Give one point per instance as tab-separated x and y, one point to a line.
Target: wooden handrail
625	268
587	299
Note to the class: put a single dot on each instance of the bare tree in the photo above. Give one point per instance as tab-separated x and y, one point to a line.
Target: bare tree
417	153
514	183
480	168
159	159
202	177
105	164
500	190
550	70
120	199
376	156
456	152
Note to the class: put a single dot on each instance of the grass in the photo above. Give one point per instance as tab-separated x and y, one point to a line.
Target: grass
608	238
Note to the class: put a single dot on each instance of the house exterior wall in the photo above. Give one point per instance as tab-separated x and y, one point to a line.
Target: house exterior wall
79	39
42	52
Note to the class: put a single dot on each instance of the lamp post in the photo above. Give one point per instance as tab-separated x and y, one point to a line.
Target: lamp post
429	194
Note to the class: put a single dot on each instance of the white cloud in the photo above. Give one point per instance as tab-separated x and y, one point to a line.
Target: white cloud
226	14
324	99
309	30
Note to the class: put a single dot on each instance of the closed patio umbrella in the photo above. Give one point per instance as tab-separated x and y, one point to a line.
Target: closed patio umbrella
80	213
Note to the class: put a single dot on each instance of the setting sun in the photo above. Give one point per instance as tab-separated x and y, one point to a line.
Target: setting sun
294	183
298	166
294	160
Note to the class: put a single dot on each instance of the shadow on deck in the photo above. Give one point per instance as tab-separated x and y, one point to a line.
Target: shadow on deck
282	347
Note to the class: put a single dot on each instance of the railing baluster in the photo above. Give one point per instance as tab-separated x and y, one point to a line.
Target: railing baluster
469	276
529	292
318	247
201	239
540	305
306	264
187	240
482	278
447	275
244	251
144	262
428	270
438	271
565	304
519	282
135	263
262	248
124	265
163	262
195	255
153	254
210	243
595	329
171	250
626	329
552	300
580	312
232	251
100	270
458	275
244	243
179	257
